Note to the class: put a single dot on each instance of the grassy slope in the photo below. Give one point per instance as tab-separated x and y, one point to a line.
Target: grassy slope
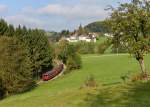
65	92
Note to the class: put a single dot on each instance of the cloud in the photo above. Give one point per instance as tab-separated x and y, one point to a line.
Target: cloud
3	8
25	20
58	16
63	16
68	11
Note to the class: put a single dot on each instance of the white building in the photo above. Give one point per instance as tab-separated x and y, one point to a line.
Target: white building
72	39
108	35
86	38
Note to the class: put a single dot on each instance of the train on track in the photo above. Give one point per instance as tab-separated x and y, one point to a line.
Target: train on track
53	73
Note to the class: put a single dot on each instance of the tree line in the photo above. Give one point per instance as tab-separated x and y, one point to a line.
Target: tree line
25	54
98	27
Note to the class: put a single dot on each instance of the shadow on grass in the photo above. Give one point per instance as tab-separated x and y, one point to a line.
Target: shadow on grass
131	95
114	83
29	88
26	89
138	95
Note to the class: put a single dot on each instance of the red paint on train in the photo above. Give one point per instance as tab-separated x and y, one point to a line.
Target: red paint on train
53	73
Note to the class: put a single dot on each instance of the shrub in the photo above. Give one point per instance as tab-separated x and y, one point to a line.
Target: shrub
73	62
139	77
101	48
68	55
85	47
90	82
118	49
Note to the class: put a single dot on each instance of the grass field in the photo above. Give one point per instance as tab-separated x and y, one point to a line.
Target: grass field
112	92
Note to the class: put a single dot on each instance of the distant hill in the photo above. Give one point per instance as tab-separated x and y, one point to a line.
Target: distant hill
53	36
51	33
98	27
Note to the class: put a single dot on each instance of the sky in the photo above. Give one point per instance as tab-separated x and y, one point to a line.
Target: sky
55	15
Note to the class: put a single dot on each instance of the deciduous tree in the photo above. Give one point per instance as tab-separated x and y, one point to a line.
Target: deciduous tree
130	25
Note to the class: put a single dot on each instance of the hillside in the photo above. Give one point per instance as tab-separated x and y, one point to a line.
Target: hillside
98	27
65	91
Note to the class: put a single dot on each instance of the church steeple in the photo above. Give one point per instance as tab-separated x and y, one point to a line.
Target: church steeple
80	30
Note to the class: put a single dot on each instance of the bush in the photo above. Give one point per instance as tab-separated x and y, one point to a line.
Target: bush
139	77
73	63
90	82
68	55
101	48
85	47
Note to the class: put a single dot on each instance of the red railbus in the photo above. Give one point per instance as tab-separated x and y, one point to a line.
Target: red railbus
53	73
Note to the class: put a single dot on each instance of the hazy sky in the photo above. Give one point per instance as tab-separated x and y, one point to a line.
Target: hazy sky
54	14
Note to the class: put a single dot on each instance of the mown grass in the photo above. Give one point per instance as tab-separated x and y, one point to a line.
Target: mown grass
107	70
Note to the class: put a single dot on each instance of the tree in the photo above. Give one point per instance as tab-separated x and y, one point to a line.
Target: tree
68	55
39	51
73	62
62	51
3	27
82	31
130	25
10	31
15	70
36	43
25	54
85	47
102	47
64	33
98	27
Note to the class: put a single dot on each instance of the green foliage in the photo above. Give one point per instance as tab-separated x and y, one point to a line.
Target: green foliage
15	69
102	44
3	27
85	47
65	33
102	47
36	43
90	81
53	36
6	29
68	55
82	31
10	31
118	48
99	27
73	62
130	25
62	51
39	50
25	48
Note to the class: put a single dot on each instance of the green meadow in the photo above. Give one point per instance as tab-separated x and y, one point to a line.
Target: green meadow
107	70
